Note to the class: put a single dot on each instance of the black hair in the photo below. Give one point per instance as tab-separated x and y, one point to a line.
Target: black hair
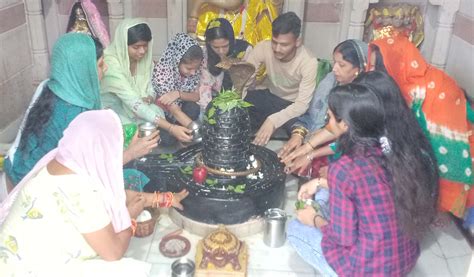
42	109
139	32
223	31
286	23
349	53
379	65
99	48
362	110
412	162
194	53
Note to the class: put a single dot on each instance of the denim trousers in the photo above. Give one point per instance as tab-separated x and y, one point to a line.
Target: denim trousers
306	240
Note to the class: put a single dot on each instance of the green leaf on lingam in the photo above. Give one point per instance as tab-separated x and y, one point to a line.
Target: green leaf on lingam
211	182
169	157
211	112
186	170
240	188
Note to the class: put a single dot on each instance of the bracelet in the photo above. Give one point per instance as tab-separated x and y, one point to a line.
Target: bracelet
298	134
314	219
133	226
162	200
166	200
154	203
169	128
312	146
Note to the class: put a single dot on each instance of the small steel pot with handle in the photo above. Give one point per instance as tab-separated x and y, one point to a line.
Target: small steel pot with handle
274	233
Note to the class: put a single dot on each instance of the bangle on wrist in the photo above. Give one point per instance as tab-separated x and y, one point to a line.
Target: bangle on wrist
133	226
312	146
169	128
314	219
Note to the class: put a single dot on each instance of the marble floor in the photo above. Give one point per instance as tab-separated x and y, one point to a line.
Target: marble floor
445	252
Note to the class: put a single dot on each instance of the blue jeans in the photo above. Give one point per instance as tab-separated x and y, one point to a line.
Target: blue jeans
306	240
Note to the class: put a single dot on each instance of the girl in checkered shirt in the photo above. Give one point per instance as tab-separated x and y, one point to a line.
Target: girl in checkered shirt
382	190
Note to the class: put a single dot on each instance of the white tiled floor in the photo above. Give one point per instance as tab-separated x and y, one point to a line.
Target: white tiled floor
445	252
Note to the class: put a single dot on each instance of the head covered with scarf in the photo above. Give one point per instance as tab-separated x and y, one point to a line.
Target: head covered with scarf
74	76
440	107
91	146
118	78
166	75
354	45
95	26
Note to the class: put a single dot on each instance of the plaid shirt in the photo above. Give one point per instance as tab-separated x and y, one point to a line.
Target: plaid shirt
363	237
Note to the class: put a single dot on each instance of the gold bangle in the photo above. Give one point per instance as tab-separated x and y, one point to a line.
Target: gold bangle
309	143
298	134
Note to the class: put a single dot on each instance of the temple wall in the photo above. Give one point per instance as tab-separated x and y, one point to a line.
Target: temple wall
29	28
16	63
460	62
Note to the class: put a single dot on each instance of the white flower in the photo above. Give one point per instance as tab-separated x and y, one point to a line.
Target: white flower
443	150
468	171
465	154
431	85
414	64
442	95
443	168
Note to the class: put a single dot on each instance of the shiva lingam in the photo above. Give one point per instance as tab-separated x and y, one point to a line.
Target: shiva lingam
242	181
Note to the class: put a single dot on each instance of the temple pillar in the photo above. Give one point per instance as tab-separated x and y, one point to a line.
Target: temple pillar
39	42
357	18
294	6
177	17
443	30
116	14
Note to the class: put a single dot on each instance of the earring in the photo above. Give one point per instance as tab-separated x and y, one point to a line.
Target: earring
357	73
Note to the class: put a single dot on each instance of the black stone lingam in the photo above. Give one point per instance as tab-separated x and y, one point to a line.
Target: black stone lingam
244	180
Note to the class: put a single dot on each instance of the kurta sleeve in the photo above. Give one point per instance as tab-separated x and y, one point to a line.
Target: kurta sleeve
117	83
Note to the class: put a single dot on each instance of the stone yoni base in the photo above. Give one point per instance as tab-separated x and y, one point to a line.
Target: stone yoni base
251	227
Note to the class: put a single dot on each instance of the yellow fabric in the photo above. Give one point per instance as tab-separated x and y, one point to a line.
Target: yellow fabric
258	23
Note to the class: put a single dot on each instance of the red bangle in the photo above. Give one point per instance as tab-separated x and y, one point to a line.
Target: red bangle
167	199
133	226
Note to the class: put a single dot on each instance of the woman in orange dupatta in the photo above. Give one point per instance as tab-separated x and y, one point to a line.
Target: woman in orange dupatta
441	108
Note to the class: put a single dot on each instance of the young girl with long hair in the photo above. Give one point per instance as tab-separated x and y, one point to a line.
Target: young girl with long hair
379	208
